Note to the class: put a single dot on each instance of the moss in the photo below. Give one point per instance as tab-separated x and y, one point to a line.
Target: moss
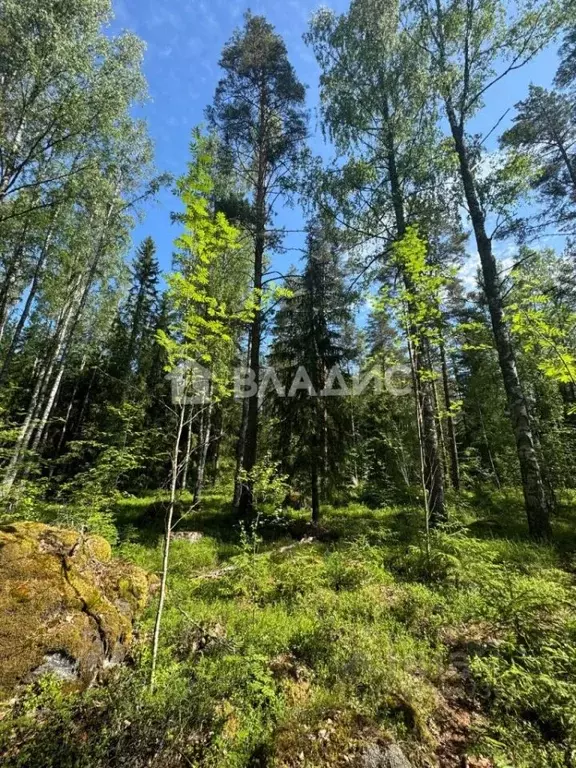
99	548
135	588
62	593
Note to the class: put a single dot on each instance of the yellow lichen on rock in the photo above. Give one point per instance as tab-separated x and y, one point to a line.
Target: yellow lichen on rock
65	604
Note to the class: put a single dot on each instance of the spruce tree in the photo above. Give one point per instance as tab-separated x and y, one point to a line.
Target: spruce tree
310	342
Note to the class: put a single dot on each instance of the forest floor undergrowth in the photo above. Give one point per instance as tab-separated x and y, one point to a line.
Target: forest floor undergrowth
289	645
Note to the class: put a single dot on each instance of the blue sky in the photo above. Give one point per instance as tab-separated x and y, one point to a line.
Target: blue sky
184	39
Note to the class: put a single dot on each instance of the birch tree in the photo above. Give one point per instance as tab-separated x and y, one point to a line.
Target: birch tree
472	45
206	322
376	107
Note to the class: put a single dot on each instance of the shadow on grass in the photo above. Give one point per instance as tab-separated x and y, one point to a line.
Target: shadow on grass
486	514
143	518
501	515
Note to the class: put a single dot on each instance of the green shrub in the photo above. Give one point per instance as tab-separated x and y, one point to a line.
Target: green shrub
271	651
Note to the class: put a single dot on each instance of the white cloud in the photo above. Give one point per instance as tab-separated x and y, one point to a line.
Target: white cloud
207	16
160	15
505	254
469	270
121	13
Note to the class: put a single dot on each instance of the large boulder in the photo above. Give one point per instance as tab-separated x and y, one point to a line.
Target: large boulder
66	606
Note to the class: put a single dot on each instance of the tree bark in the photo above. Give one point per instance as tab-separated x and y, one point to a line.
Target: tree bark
315	487
439	422
433	474
26	309
68	320
537	510
566	160
260	197
68	334
188	453
488	449
36	401
240	448
203	454
251	440
452	440
86	400
69	409
166	553
43	422
432	466
214	460
7	299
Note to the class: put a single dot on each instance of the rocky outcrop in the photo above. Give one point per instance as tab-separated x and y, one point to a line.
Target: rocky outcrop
66	607
390	756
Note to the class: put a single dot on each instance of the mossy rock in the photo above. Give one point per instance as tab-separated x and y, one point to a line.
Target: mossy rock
65	605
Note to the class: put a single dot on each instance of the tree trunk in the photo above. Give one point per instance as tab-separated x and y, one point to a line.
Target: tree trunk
7	299
487	444
11	275
86	401
567	161
325	463
433	478
260	195
216	446
5	305
67	323
420	427
452	441
166	553
439	423
43	422
315	487
204	444
251	439
57	361
355	479
11	470
35	405
68	334
433	475
26	309
240	448
188	453
64	430
537	511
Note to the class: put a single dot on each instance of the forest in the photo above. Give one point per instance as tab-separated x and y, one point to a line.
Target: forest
291	494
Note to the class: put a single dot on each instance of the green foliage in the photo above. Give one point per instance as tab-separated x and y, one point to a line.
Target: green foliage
119	724
313	332
543	328
285	643
321	647
109	459
134	330
23	502
259	103
422	285
541	139
269	486
522	671
207	301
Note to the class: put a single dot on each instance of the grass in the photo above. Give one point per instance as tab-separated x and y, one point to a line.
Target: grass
306	656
